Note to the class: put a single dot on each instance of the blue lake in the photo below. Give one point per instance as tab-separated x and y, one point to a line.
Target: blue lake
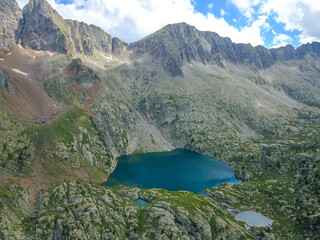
176	170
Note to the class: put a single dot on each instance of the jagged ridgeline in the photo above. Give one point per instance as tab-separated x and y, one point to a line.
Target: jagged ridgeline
73	99
177	44
42	28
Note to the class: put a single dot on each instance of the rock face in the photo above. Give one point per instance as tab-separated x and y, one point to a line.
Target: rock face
5	82
88	38
42	28
118	46
10	14
176	44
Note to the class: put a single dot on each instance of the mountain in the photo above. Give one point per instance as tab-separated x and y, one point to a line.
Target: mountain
73	99
42	28
176	44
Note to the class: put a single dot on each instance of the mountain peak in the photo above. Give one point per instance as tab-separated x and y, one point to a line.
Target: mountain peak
42	28
39	6
175	44
36	2
180	25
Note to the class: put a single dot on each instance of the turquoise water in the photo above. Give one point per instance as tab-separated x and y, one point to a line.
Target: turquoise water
141	203
176	170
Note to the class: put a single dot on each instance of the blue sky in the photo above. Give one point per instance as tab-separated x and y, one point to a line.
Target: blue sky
235	17
271	23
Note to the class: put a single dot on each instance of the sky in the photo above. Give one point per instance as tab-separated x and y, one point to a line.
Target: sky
271	23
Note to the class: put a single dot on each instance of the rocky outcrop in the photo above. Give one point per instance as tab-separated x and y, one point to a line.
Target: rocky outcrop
15	147
10	14
176	44
5	82
117	121
80	73
79	210
10	224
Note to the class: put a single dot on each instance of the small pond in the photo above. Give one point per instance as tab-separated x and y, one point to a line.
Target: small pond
141	203
253	219
176	170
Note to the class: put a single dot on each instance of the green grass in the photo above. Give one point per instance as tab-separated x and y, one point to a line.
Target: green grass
61	129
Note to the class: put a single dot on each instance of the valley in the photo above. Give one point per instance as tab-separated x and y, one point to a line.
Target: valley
74	100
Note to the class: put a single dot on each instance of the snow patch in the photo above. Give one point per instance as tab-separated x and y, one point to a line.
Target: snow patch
20	72
108	58
1	59
8	54
51	53
47	52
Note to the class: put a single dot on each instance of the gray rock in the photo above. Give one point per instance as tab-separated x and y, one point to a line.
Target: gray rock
42	28
10	14
5	82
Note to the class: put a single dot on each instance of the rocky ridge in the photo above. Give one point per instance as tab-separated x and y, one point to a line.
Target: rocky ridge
10	15
176	44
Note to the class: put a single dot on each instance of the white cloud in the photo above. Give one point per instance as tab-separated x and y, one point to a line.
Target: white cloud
222	12
243	5
130	20
281	40
302	15
246	6
267	27
210	6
